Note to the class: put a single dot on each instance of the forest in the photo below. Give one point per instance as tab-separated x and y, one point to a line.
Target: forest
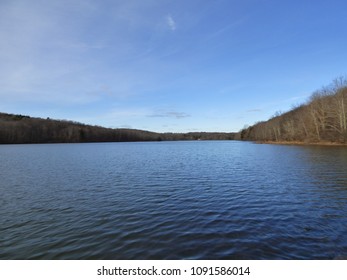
20	129
322	119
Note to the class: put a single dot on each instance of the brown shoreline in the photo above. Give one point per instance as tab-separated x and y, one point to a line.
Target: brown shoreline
298	143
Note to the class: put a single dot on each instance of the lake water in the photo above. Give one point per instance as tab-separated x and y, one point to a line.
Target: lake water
173	200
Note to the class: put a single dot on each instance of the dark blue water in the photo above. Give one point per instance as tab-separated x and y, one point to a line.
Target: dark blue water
173	200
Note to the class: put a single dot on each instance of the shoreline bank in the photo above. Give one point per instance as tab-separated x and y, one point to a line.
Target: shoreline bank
299	143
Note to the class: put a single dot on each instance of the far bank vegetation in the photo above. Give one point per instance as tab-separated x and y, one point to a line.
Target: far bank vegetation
323	119
20	129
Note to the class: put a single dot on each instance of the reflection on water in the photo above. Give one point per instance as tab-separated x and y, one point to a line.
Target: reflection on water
173	200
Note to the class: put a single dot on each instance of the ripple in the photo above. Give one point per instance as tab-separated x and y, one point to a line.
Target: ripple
191	200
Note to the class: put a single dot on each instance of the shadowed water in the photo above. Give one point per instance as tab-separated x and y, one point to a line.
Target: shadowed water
173	200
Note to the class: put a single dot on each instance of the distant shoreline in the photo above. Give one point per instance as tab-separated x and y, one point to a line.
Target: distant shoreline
20	129
301	143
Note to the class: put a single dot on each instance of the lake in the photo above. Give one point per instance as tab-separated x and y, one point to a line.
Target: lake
173	200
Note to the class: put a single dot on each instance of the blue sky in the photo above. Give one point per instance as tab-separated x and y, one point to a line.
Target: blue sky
162	65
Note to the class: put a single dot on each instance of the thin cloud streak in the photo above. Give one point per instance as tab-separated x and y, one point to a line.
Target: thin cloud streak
171	114
142	62
254	110
170	22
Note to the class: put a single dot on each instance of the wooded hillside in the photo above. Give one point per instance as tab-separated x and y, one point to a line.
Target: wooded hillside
19	129
322	119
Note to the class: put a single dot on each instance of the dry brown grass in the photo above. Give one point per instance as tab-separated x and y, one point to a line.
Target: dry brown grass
302	143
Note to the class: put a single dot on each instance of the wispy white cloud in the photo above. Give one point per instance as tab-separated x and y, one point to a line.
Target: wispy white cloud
169	114
171	22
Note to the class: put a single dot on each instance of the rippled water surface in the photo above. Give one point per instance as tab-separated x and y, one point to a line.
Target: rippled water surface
173	200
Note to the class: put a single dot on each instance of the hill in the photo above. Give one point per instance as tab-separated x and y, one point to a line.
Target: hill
19	129
323	119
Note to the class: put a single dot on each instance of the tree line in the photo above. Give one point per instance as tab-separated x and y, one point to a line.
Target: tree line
20	129
323	118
